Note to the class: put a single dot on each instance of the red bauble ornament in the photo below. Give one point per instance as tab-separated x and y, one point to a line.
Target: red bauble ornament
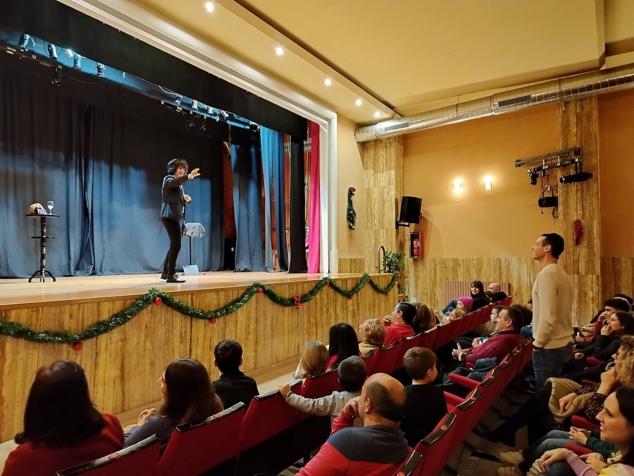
260	290
77	345
350	296
212	321
158	300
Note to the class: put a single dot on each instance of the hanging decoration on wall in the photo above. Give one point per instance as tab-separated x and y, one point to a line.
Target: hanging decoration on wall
154	296
578	231
351	215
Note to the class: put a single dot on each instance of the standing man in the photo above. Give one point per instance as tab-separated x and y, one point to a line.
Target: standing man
552	310
174	199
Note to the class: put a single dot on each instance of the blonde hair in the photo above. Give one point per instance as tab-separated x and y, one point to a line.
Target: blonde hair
314	359
625	362
457	314
373	332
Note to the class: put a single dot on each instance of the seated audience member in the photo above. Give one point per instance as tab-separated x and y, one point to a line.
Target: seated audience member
313	362
372	334
480	299
352	373
398	325
495	293
378	448
617	427
482	332
425	319
232	386
504	340
463	302
456	314
62	428
610	306
343	343
606	343
188	397
426	403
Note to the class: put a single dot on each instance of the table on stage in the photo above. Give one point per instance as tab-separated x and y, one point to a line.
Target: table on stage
42	271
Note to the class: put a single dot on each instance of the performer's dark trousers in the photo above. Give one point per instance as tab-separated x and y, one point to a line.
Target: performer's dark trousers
174	232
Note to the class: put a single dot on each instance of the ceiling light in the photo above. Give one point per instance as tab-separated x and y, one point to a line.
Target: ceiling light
358	103
279	51
210	7
328	82
488	183
377	114
458	186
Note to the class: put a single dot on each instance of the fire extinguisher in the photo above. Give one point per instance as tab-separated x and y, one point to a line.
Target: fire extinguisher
415	245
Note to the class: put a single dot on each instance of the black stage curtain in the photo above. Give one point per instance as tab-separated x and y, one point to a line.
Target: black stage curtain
101	159
298	209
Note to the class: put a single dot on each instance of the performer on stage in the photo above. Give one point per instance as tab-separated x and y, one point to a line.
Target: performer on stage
174	199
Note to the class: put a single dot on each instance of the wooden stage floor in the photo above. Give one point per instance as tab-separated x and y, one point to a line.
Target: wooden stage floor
15	293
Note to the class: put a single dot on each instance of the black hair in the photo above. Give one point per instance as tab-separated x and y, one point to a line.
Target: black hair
173	164
479	286
516	315
627	321
625	397
556	243
228	355
618	303
59	411
342	342
527	315
408	311
352	373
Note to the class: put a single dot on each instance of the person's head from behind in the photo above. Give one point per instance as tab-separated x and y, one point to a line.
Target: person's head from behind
177	167
509	319
403	313
314	358
352	373
425	318
58	410
548	246
477	288
617	422
228	356
620	323
624	361
372	332
343	342
494	288
188	394
420	364
527	315
457	313
626	298
382	401
612	305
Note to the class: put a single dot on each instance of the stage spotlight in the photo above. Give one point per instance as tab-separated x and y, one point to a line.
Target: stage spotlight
77	62
101	70
533	176
52	51
576	177
24	41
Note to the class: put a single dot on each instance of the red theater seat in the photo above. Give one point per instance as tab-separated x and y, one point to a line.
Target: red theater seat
321	385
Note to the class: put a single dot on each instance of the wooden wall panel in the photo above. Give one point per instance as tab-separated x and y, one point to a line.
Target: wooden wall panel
617	275
123	366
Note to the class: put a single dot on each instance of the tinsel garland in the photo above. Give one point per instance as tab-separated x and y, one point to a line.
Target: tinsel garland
351	214
20	331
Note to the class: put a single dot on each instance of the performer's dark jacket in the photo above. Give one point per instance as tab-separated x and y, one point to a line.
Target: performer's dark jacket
173	197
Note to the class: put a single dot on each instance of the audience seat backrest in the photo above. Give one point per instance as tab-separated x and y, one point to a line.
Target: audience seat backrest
443	334
140	459
390	358
411	464
437	447
428	338
321	385
193	449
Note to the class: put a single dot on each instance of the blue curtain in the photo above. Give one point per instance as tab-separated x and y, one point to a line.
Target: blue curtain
272	161
103	168
245	159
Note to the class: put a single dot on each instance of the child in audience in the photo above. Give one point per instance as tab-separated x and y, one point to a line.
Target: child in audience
352	374
62	428
398	325
232	386
425	402
343	343
188	397
372	335
313	362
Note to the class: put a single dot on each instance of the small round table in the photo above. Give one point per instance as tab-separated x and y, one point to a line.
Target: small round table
42	272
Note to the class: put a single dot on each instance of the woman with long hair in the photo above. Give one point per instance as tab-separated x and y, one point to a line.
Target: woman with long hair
342	343
62	428
314	360
480	299
188	397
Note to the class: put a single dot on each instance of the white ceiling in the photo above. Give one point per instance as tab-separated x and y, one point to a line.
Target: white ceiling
406	56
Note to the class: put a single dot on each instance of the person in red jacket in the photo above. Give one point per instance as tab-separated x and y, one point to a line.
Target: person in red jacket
376	449
505	338
398	325
62	428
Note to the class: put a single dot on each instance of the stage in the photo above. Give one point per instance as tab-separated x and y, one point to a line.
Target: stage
123	364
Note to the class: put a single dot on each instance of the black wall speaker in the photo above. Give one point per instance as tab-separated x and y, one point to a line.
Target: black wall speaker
548	202
410	209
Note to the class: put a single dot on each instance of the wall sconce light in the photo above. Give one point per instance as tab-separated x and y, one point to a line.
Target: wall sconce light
458	186
488	183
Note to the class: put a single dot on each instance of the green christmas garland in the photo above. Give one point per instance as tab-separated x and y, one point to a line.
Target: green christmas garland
20	331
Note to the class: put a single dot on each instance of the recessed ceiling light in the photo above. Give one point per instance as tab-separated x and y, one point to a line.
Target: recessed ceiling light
377	114
279	51
210	7
328	82
358	103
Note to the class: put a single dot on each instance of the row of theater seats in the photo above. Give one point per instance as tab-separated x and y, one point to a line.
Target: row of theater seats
269	435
